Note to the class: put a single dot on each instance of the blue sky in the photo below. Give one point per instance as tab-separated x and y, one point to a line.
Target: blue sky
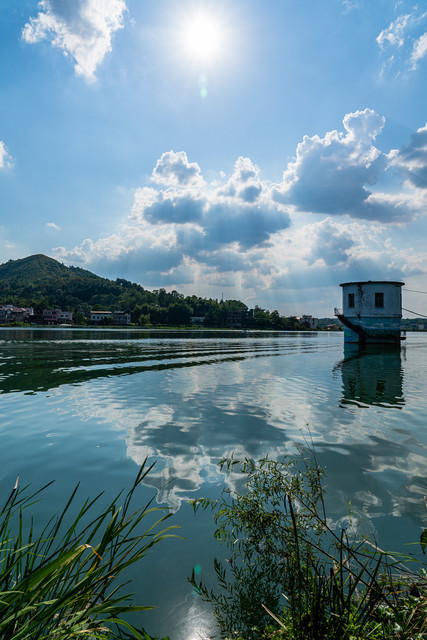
260	150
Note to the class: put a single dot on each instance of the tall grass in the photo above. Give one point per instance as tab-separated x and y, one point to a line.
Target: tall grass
65	581
291	574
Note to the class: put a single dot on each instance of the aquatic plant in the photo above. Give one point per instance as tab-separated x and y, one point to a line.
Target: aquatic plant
65	580
291	574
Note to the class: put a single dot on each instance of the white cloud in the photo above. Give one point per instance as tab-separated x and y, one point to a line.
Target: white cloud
208	215
52	225
408	37
331	243
81	29
349	5
411	159
175	169
186	224
5	158
395	32
420	50
245	182
330	175
254	237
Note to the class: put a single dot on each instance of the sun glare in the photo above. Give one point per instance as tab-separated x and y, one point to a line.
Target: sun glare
203	37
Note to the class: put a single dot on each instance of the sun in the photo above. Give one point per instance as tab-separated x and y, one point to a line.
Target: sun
203	37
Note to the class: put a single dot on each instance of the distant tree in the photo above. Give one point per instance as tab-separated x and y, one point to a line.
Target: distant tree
79	318
179	314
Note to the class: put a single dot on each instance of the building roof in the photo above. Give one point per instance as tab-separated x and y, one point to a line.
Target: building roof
400	284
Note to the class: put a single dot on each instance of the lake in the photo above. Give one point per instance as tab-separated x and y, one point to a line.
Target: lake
89	406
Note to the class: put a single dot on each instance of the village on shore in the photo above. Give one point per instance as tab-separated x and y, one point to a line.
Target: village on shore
234	318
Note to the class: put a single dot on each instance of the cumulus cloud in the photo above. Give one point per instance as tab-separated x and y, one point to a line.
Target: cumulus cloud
175	169
81	29
185	218
5	158
407	36
235	231
331	243
330	175
238	212
244	182
411	159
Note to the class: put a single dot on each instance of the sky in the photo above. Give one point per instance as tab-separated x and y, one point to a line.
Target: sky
260	150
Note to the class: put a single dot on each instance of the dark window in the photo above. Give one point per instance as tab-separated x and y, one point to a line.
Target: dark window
351	299
379	300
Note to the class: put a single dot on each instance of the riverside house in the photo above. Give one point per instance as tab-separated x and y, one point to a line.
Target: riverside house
112	317
10	313
57	316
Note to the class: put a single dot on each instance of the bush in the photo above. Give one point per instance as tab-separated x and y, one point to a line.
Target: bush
291	575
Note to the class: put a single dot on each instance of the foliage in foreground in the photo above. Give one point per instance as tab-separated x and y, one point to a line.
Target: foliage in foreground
64	582
291	575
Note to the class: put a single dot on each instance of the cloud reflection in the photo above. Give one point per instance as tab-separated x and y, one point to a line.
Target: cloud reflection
200	400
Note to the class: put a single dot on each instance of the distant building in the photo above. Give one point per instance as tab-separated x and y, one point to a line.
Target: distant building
10	313
116	317
50	316
99	316
56	316
65	317
235	318
308	321
197	319
120	317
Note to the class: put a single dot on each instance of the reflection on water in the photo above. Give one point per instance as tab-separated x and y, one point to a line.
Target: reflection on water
90	405
39	361
372	375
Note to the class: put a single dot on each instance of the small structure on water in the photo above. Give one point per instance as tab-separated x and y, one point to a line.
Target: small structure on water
371	311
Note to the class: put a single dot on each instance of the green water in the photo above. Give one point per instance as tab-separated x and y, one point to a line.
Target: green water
89	406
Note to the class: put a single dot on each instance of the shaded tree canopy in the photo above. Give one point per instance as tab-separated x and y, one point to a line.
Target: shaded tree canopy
44	283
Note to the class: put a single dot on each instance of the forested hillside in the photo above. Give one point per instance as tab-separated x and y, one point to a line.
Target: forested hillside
44	283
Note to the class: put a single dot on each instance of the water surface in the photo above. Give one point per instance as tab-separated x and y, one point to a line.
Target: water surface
90	406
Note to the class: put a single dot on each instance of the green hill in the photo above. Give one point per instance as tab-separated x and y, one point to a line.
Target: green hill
33	270
44	283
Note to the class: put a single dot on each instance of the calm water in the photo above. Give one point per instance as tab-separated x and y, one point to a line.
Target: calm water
89	406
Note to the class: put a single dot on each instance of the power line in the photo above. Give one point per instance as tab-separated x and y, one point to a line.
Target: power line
420	315
414	291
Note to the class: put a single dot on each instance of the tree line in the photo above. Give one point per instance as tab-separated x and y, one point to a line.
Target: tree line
44	283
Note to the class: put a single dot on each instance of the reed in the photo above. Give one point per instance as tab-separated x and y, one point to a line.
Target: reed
67	581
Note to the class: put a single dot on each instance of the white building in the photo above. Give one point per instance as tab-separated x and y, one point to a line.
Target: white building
309	321
116	317
98	316
120	317
371	311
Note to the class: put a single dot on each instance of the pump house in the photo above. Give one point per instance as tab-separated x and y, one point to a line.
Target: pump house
371	311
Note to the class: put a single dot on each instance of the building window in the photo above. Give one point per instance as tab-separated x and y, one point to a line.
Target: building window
351	300
379	300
